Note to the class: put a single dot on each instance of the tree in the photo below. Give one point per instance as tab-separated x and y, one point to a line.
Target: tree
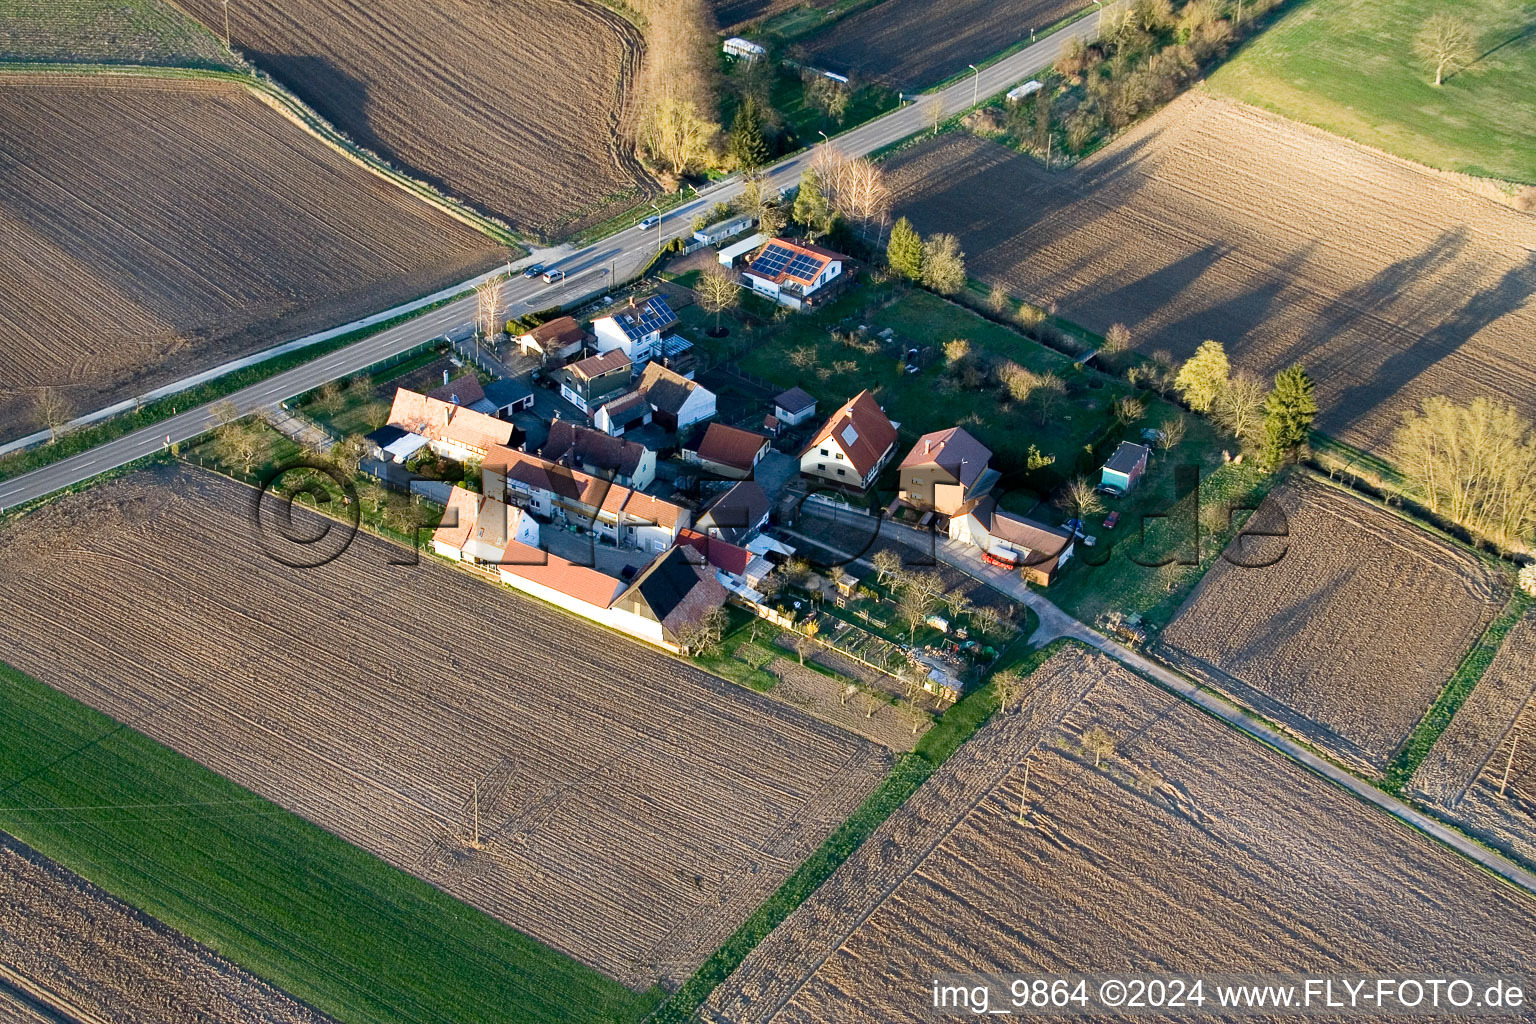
238	443
958	602
812	208
1289	411
677	135
1445	43
1127	410
1009	687
887	564
1043	117
943	264
864	194
348	453
933	112
1079	500
904	251
1099	742
53	410
1171	432
986	619
1018	381
1474	464
830	97
1117	338
748	148
488	306
717	291
1239	406
997	299
1203	375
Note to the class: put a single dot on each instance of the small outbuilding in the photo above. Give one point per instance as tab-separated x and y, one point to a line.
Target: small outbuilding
794	407
720	230
509	396
737	251
1126	466
743	49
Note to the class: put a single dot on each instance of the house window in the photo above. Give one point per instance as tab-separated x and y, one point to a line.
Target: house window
839	456
824	452
821	467
841	471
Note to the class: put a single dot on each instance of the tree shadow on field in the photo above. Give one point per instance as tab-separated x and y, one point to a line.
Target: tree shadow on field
335	95
1477	309
1236	317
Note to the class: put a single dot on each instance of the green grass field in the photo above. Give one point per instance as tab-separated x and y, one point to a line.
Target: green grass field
284	899
107	32
1349	66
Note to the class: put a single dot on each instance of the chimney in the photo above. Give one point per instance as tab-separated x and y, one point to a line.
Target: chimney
445	378
927	445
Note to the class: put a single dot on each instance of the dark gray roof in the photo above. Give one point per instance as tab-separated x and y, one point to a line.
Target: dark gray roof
738	510
503	393
386	436
794	400
1126	456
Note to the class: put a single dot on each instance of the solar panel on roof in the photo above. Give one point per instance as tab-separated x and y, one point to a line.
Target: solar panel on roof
804	267
773	260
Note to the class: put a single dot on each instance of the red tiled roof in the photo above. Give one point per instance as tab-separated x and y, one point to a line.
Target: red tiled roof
552	571
954	450
731	446
718	553
443	421
872	432
557	333
458	519
466	390
596	366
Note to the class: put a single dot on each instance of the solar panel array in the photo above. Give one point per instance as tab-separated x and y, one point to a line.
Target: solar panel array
778	259
655	315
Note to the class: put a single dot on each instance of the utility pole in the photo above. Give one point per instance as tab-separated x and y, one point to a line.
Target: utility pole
226	24
976	88
477	814
1514	744
658	228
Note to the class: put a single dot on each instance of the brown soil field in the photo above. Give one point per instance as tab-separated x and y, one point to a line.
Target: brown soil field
518	106
634	810
822	696
92	958
1349	636
1192	849
157	229
1495	730
1390	282
731	13
912	44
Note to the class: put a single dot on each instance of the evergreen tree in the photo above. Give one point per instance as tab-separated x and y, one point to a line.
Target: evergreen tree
1288	414
747	145
904	251
811	206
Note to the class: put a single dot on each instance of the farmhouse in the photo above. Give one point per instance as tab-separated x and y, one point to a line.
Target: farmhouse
736	569
559	338
736	515
669	595
592	451
451	431
794	407
946	472
676	402
621	414
853	445
636	331
477	529
1125	467
1013	541
619	515
794	274
465	390
720	230
730	451
595	380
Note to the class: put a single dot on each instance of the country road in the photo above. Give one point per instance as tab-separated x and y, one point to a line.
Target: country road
621	254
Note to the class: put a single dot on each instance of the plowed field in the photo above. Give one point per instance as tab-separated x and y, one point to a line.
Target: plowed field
1493	733
515	105
84	954
912	44
1210	219
633	810
1345	640
156	229
1190	849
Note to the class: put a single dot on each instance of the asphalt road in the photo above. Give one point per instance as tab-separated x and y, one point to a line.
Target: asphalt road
589	271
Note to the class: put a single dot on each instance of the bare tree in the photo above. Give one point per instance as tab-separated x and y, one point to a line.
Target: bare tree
1127	410
1172	431
488	307
865	195
997	299
986	619
717	291
1117	338
958	602
933	112
1009	687
1239	406
887	564
1099	742
1079	499
224	412
872	702
914	608
1446	43
53	410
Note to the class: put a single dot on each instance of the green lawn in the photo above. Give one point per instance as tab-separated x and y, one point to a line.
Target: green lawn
107	32
1349	66
288	901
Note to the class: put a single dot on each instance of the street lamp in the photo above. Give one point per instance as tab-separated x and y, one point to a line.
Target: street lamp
976	91
226	24
1099	28
658	227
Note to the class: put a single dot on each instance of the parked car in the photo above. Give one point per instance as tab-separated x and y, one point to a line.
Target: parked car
650	222
534	271
1151	435
1110	491
1111	520
551	276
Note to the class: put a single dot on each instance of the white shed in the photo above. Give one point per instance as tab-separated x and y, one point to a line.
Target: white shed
1024	91
731	253
743	48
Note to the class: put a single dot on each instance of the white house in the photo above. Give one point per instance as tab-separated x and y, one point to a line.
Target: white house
476	528
1035	549
794	407
624	413
676	402
635	331
793	274
853	445
555	339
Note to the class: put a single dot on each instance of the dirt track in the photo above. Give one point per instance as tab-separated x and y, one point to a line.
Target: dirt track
1390	283
95	960
156	229
635	810
912	44
1192	849
1346	639
518	106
